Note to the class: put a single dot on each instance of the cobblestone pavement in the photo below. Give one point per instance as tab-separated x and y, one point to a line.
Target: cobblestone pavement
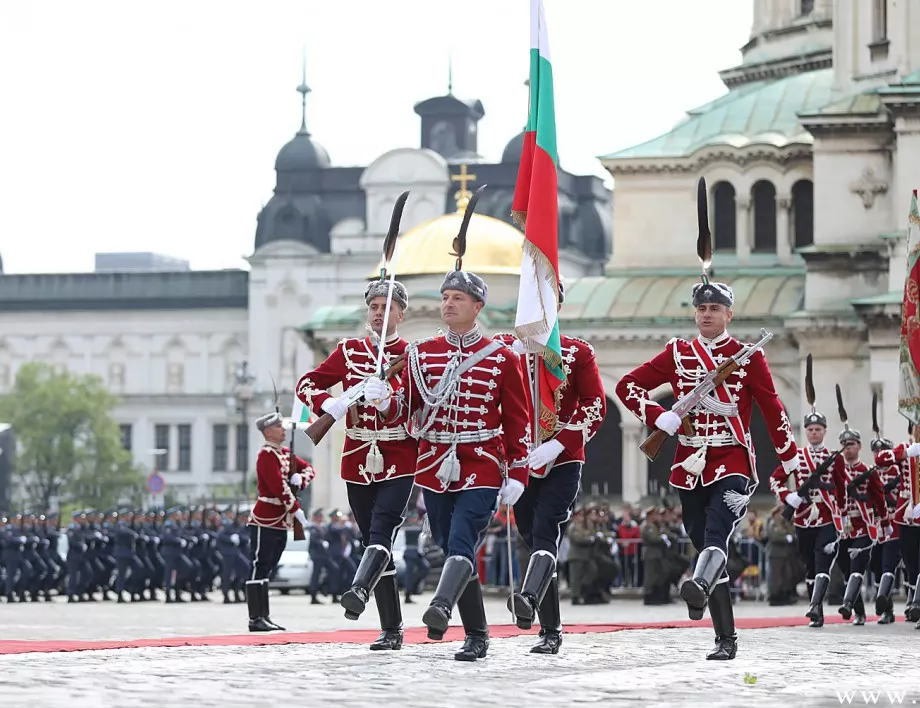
793	666
107	620
664	667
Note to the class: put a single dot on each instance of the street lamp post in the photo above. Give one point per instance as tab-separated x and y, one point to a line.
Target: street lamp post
243	393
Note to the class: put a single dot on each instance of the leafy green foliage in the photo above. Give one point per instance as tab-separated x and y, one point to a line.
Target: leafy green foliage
69	444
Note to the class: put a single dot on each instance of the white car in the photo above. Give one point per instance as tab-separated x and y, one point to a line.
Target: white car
295	569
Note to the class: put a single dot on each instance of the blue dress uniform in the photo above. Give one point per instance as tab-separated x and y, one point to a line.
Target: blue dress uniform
127	563
319	555
378	462
176	566
18	570
466	402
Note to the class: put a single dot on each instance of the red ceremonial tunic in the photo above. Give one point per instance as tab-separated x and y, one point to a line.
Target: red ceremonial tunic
581	404
276	504
353	361
906	495
820	506
860	518
721	444
481	416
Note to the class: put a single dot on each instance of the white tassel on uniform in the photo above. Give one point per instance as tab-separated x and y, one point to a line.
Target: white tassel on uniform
374	460
696	463
813	513
449	471
736	501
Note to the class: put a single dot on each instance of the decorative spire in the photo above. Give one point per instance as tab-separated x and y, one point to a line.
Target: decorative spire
450	74
303	90
463	194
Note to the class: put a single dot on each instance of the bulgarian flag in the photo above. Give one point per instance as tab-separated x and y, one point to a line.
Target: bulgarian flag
301	415
909	386
536	209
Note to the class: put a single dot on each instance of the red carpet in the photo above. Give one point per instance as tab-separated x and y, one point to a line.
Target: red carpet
414	635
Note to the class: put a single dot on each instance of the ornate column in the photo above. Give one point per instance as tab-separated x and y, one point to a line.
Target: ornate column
784	233
634	464
744	227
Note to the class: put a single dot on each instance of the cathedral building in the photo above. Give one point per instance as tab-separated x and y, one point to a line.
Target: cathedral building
192	355
809	158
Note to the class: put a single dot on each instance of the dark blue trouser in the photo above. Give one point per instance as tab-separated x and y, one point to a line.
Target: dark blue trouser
380	509
459	520
128	566
811	544
910	552
544	509
891	555
16	563
267	546
417	567
333	574
181	565
708	519
76	574
859	563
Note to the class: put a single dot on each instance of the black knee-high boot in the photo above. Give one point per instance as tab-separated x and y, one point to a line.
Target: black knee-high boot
386	594
373	563
455	575
524	604
550	622
695	592
723	622
816	609
473	615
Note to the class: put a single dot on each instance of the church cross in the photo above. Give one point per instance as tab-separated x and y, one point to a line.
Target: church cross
463	178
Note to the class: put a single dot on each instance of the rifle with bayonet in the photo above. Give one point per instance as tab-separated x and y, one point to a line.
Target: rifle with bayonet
814	480
713	379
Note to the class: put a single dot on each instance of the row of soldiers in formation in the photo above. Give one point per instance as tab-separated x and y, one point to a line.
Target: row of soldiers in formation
137	555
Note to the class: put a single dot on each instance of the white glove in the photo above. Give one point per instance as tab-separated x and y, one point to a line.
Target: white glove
518	346
377	393
546	453
888	530
667	541
326	544
511	491
301	517
235	539
788	538
916	513
794	500
182	543
335	407
913	450
296	479
829	548
669	422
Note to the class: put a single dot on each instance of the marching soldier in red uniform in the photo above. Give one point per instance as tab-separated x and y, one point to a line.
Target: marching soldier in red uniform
544	509
378	461
814	502
713	469
906	517
273	514
864	520
467	400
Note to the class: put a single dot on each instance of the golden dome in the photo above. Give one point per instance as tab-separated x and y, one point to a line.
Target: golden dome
493	247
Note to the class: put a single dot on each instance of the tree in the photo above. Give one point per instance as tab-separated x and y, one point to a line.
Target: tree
69	444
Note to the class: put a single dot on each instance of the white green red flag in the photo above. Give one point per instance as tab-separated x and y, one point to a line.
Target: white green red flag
536	208
301	415
909	387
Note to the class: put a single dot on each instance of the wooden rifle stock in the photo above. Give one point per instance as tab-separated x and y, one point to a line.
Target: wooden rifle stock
654	442
298	531
317	431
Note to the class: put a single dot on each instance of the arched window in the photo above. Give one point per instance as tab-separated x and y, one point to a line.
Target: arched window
803	209
764	194
806	7
725	224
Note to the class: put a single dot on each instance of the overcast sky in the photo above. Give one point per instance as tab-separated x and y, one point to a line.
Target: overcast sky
153	126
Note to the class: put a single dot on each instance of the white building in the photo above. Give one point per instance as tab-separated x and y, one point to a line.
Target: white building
185	349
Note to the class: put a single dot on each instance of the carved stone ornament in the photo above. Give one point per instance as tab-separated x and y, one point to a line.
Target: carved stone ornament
868	187
116	375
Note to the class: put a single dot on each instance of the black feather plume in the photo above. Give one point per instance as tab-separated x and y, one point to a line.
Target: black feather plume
840	409
809	383
875	428
389	243
460	240
704	240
